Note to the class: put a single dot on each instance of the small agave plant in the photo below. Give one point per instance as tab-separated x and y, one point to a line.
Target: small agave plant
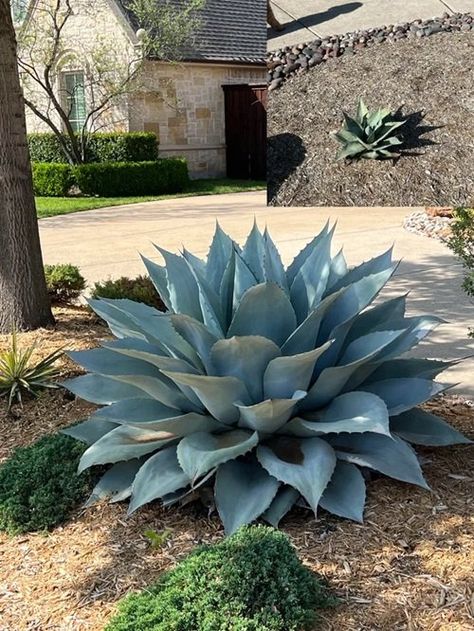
369	135
261	386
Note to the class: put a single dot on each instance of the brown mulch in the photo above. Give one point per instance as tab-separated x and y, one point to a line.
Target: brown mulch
430	79
410	566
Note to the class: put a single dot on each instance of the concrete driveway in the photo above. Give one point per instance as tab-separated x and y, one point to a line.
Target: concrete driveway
107	242
305	20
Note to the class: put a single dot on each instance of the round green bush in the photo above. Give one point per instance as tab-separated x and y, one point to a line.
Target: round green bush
64	282
252	581
39	485
139	289
52	179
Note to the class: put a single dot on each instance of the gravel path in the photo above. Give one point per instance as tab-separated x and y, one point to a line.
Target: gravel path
430	80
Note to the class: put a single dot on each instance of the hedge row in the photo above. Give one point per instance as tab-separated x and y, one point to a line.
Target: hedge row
112	147
112	179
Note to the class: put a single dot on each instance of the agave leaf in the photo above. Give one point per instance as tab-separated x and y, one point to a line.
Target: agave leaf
264	310
226	291
157	274
105	362
196	335
181	425
345	494
306	465
402	394
362	110
285	375
353	412
391	456
122	443
422	428
417	328
243	280
116	483
135	411
220	251
200	452
210	304
159	361
218	394
380	263
337	270
344	136
194	262
160	475
246	358
412	367
379	317
253	253
310	281
159	388
301	257
351	150
136	344
121	324
102	390
182	287
243	491
389	127
281	505
268	416
353	125
89	431
272	265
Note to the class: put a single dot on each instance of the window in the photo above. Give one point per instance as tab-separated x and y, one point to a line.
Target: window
75	100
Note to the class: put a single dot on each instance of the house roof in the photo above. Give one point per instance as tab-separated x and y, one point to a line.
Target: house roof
230	31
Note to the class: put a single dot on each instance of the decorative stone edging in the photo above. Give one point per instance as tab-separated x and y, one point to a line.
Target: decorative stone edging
431	222
291	60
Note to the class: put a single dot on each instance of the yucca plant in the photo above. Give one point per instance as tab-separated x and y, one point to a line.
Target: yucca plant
369	135
19	374
262	386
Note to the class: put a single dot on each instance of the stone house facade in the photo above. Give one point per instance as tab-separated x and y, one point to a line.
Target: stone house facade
183	102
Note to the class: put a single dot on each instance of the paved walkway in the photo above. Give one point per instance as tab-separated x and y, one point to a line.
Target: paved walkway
107	242
305	20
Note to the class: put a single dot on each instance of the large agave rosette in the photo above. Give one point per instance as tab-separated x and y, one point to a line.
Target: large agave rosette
270	386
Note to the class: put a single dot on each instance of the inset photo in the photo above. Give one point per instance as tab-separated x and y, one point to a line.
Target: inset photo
371	104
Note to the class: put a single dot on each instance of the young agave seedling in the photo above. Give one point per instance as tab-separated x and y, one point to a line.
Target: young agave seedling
369	135
262	385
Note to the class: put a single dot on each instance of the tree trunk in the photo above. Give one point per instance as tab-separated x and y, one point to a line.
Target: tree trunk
24	302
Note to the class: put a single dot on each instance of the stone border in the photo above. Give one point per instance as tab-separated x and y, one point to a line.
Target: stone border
430	222
291	60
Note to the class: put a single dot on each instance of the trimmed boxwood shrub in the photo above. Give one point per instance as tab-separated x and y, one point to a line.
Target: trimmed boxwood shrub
139	289
64	282
110	147
52	180
114	179
39	485
252	581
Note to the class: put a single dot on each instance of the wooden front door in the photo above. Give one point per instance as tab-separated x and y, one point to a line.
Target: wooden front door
246	131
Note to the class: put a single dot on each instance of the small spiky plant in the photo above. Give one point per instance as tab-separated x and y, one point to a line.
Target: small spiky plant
369	135
261	386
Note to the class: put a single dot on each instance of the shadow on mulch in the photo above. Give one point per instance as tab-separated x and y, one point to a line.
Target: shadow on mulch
286	152
413	132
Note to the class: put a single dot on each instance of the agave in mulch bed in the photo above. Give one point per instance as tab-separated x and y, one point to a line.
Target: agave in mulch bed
262	387
425	81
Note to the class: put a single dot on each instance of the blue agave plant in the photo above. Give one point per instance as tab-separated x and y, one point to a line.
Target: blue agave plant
273	385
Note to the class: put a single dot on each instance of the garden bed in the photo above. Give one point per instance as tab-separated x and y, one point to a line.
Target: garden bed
428	80
409	566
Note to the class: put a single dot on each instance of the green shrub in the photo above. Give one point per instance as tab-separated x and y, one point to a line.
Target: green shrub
283	384
39	486
461	243
115	179
52	179
19	375
64	282
140	289
110	147
252	581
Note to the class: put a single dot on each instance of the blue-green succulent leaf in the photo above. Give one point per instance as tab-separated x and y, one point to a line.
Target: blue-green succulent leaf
182	425
217	394
306	465
345	494
226	290
353	412
116	483
159	388
401	395
378	264
245	357
105	362
273	267
264	310
411	367
268	416
89	431
391	456
285	375
423	428
158	278
219	254
159	361
135	410
210	304
379	317
195	334
182	287
243	491
253	253
301	257
122	443
102	390
337	271
160	475
243	280
195	262
200	452
281	505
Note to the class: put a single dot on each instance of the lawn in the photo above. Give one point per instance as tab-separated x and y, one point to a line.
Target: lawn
51	206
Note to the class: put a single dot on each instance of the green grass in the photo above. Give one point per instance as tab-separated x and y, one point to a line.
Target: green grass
51	206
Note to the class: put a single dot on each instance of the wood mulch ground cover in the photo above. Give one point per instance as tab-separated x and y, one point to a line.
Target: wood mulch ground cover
410	566
429	79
